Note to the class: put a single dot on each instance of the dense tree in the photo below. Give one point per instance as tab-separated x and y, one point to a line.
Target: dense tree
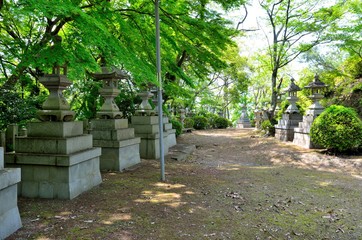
294	27
35	35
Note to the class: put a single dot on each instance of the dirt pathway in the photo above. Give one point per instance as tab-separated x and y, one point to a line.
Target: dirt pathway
234	186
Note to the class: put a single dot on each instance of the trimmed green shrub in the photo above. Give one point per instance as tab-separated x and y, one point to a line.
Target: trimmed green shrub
268	127
189	123
338	128
211	117
221	122
176	125
200	122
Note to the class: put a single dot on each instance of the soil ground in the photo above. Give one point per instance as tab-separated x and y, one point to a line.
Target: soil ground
235	185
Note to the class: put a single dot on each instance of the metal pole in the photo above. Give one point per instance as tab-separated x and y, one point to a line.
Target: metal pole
159	95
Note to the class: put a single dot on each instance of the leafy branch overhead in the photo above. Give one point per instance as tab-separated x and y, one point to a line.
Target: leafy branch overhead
120	31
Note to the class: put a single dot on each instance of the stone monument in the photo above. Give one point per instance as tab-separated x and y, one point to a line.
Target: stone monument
56	159
244	121
120	147
284	130
9	213
146	125
301	133
258	118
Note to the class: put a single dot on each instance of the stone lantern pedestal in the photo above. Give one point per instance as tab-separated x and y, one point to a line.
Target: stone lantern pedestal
169	134
56	159
284	130
147	128
243	121
301	133
120	147
146	125
9	213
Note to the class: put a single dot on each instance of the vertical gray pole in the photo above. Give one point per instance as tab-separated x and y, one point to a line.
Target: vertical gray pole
159	95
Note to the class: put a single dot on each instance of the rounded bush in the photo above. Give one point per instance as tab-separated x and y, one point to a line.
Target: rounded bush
189	123
177	125
221	122
338	128
200	122
268	127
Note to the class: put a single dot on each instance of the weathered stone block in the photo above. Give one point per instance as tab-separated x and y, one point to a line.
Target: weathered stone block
150	148
109	124
55	129
148	135
62	182
53	145
171	138
9	213
302	138
46	189
144	120
59	176
9	177
117	144
148	129
113	135
119	159
167	126
29	189
165	120
42	174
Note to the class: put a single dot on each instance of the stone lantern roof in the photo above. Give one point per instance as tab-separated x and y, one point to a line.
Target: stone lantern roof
113	73
316	83
293	87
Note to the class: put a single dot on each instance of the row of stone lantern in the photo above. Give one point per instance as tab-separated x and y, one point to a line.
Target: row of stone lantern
293	126
57	144
301	133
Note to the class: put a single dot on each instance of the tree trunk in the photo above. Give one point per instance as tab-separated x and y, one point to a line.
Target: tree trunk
274	92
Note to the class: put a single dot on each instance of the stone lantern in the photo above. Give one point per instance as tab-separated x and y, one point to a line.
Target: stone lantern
292	98
284	130
56	107
61	159
110	80
301	133
316	87
244	121
145	107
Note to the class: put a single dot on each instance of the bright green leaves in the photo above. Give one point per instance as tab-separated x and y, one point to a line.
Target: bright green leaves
338	128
